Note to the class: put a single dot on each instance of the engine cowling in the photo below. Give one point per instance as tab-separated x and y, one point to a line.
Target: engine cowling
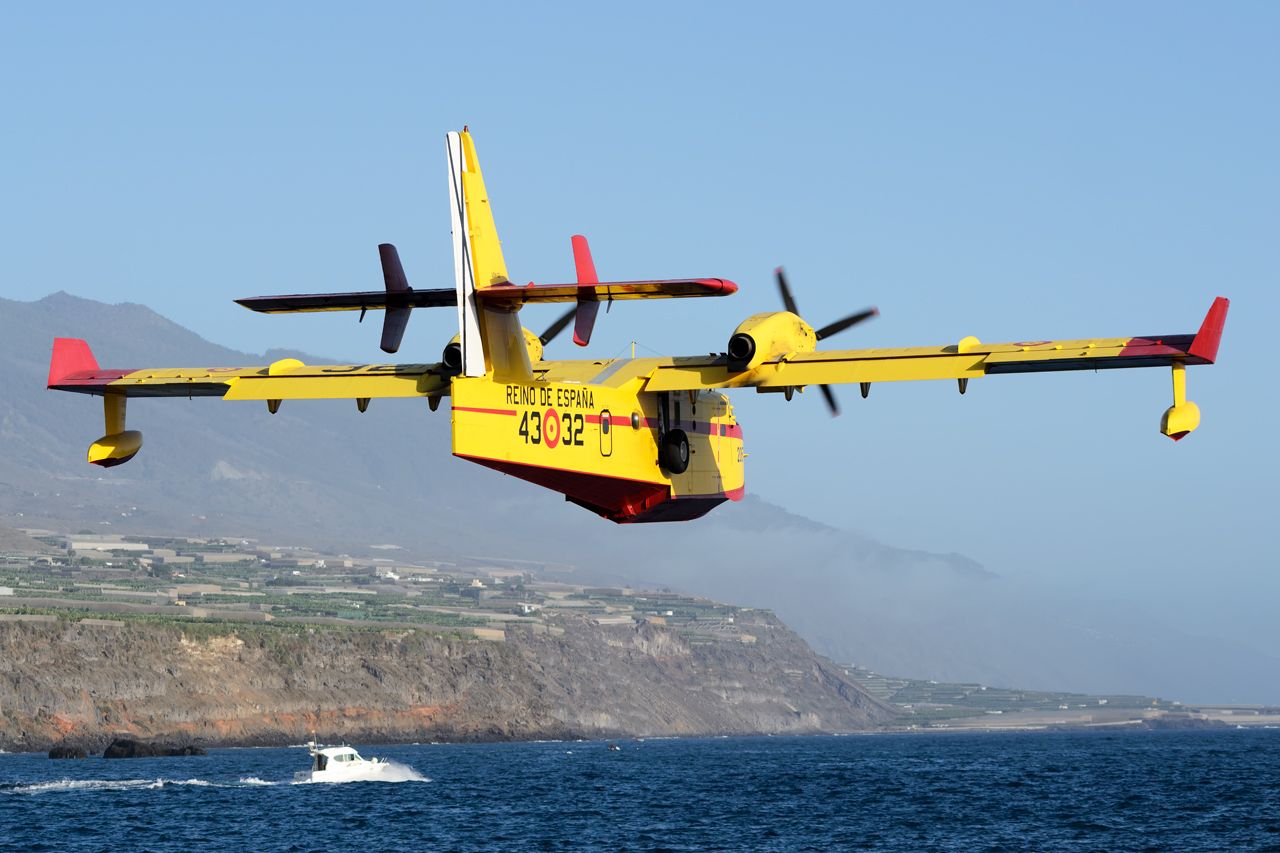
763	337
534	344
451	358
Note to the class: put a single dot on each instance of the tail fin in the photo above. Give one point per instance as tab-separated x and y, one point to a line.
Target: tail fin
585	317
477	252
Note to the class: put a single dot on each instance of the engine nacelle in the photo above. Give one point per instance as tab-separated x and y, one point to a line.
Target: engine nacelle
115	449
763	337
451	358
533	343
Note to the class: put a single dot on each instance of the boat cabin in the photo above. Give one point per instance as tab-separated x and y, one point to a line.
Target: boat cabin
341	755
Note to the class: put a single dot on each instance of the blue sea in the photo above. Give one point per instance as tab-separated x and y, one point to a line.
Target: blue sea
1217	790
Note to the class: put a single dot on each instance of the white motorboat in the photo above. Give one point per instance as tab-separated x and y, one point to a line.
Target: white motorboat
339	764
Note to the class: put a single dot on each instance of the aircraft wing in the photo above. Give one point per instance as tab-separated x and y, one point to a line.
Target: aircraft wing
74	368
965	360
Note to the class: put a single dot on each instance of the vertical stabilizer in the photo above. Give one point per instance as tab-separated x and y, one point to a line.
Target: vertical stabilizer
486	248
463	266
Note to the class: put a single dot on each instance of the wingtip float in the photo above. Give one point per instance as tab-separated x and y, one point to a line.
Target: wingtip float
631	439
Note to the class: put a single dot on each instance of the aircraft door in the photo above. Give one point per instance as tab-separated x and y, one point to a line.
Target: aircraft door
606	434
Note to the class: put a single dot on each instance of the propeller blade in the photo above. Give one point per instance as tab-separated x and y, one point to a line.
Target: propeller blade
840	325
830	397
558	326
787	299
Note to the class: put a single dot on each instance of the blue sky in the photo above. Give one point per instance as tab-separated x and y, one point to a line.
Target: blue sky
1005	170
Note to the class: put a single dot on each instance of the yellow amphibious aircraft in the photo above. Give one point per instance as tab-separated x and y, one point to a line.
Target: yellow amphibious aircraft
632	439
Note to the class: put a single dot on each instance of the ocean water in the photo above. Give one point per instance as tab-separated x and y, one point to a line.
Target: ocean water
1217	790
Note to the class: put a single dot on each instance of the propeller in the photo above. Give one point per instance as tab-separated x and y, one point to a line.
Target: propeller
826	331
558	326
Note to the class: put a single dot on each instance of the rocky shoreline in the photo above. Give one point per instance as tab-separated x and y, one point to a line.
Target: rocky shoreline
71	683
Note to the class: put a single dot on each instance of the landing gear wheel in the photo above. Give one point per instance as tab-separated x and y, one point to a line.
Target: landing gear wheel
674	451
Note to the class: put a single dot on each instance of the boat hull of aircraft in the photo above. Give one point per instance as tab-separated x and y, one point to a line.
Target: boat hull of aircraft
627	456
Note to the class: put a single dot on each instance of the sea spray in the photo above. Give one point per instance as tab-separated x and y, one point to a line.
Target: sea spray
105	785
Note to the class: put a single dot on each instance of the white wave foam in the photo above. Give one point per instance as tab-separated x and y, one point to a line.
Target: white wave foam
254	780
105	785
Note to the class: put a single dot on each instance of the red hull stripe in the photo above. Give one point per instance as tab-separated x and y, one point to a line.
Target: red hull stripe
725	431
511	412
623	421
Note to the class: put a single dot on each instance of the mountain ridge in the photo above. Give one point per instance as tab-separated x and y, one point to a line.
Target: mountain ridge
319	472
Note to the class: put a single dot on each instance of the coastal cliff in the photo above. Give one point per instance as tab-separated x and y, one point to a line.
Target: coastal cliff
68	681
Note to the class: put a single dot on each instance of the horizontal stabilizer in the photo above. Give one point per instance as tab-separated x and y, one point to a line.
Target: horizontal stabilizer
606	291
377	300
510	293
366	300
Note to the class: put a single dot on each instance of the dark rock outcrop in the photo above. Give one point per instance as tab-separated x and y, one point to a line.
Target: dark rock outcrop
67	750
129	748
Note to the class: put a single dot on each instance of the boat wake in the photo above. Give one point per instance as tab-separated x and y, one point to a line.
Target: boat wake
104	785
389	771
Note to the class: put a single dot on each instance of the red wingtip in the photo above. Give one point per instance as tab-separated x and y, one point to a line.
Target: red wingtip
70	355
1207	339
